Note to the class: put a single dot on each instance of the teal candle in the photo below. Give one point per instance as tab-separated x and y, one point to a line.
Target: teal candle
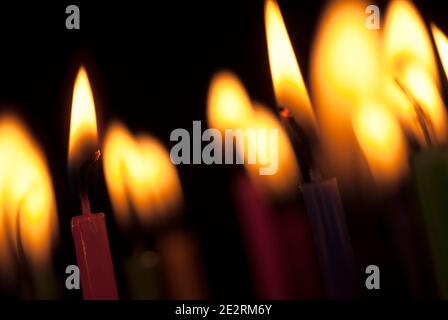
431	178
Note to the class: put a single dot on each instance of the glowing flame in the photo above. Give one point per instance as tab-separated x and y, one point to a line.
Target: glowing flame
28	218
139	176
382	142
345	70
410	60
228	101
442	46
288	82
229	107
83	141
287	177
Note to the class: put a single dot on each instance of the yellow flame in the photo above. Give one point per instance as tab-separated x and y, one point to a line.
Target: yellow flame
442	46
406	38
345	70
27	203
287	177
229	107
382	142
288	82
410	59
139	176
228	102
83	128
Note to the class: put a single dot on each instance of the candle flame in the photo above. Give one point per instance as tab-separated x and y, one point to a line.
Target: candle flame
139	176
28	217
442	46
410	60
83	142
229	107
382	142
345	70
289	87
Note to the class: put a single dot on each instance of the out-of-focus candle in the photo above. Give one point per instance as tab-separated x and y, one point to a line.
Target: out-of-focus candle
142	180
88	229
431	177
322	200
279	271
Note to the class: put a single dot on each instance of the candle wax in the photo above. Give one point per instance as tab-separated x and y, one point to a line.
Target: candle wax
331	238
94	257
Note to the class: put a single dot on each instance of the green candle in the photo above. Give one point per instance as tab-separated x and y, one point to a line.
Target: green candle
431	178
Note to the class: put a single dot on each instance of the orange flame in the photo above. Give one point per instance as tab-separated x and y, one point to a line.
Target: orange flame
289	86
83	141
410	60
229	107
140	176
27	204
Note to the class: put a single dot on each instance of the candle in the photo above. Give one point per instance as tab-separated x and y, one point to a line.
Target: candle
322	199
419	105
145	187
88	229
268	221
28	217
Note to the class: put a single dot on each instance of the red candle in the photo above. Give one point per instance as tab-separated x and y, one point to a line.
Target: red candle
88	229
93	256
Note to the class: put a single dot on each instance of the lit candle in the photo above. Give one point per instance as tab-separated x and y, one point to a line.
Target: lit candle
144	186
277	237
431	177
88	229
322	199
418	103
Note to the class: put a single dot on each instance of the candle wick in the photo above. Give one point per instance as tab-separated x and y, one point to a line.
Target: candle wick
423	120
300	142
83	192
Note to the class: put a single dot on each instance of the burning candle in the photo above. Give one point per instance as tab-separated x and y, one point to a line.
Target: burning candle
322	199
431	177
417	101
28	217
144	186
88	229
279	244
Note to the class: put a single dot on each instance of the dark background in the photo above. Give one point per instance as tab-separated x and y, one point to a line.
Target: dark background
149	65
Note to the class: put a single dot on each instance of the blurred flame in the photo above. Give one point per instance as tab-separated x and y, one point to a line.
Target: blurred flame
139	175
229	107
83	142
381	139
345	70
287	178
27	203
289	87
442	46
410	59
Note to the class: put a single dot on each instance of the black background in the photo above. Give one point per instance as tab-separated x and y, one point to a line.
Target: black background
149	65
